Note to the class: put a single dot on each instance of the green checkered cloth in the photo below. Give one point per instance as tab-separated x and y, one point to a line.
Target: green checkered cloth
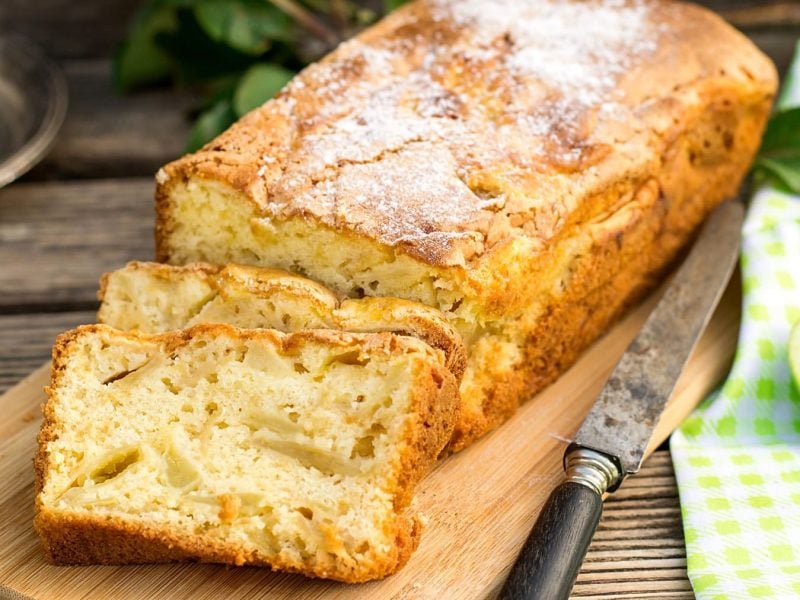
737	458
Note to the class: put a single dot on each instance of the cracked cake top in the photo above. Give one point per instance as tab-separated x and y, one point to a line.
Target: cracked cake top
454	125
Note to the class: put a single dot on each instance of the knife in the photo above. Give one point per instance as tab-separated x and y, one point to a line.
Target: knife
611	442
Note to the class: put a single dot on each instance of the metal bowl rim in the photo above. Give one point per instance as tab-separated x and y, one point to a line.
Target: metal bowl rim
37	145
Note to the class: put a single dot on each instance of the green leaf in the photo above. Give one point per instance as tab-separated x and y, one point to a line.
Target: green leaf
260	83
779	156
174	3
783	170
365	16
320	6
390	5
210	124
198	58
139	60
217	90
245	25
783	132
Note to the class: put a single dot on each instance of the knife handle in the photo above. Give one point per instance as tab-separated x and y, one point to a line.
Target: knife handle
553	553
549	562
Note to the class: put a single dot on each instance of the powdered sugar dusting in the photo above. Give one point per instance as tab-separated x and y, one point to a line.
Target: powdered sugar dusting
394	189
576	48
403	125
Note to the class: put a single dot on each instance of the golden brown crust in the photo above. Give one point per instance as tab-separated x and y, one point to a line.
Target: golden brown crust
365	315
458	132
72	538
85	539
46	432
630	250
619	274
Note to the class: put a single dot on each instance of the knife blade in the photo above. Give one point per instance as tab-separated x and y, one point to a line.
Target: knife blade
611	442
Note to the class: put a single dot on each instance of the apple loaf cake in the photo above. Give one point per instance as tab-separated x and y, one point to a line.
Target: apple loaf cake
153	298
528	168
297	451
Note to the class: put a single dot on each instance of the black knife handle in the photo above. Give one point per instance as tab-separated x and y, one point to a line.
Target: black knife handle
549	562
554	551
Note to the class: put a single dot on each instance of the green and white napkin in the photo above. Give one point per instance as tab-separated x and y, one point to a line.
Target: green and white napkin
737	458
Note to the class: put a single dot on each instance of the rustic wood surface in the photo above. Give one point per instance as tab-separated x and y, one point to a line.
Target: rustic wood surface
60	236
59	231
109	135
480	503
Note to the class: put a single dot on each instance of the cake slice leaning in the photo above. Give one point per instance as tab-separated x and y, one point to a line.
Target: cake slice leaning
154	297
249	447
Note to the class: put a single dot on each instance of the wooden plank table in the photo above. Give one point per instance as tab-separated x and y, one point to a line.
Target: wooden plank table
87	208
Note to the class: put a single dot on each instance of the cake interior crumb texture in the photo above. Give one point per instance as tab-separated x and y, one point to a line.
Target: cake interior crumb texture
153	298
243	447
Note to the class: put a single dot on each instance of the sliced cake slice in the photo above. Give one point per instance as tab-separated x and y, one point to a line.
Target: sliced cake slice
154	297
249	447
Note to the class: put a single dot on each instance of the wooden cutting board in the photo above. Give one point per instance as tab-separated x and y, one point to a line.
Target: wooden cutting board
481	503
